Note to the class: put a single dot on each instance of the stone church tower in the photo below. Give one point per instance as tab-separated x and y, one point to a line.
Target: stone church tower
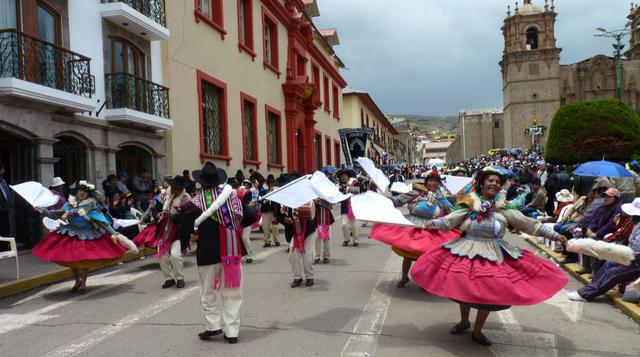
530	72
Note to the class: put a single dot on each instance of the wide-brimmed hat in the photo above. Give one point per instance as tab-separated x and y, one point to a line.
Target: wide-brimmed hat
632	209
346	170
178	182
564	196
210	175
484	173
56	181
82	185
432	174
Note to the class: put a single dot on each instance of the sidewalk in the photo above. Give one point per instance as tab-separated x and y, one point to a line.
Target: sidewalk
631	309
35	273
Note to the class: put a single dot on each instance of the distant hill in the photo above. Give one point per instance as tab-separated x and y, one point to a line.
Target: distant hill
430	123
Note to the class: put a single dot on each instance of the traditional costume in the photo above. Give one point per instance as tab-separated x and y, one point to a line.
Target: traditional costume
300	228
217	215
410	242
268	210
246	197
480	269
324	220
350	227
86	240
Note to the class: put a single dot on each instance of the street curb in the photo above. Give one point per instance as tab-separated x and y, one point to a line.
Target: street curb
26	284
632	310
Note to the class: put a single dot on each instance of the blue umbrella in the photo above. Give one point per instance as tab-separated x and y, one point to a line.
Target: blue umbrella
602	168
504	171
329	169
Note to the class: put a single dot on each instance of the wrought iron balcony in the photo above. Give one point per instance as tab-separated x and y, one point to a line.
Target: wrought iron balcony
153	9
128	91
28	58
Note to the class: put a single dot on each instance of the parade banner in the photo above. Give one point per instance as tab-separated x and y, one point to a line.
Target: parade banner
354	143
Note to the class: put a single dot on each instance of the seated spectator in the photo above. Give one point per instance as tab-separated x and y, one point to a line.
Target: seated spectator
539	199
123	183
141	184
150	197
119	210
564	198
512	191
520	201
612	274
109	185
603	221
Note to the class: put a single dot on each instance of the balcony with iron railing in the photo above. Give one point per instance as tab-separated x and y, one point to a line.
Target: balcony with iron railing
145	18
44	72
137	101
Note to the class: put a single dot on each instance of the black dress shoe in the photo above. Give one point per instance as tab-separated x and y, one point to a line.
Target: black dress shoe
249	261
231	340
481	339
345	244
325	261
180	284
309	282
169	283
277	244
207	335
266	245
296	283
458	329
316	261
355	244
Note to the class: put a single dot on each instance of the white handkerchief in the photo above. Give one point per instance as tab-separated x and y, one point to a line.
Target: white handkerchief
36	194
375	174
374	207
325	189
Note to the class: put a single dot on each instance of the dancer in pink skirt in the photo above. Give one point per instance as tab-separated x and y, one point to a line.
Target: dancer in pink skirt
480	269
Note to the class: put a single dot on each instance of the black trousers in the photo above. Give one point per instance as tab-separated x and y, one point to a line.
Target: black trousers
5	225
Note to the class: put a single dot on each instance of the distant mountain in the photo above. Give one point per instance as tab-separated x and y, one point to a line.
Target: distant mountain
428	123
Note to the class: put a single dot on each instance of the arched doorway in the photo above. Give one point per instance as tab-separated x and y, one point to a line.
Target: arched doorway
301	151
131	159
17	155
72	159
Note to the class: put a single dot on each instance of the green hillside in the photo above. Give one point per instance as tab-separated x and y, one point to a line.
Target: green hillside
428	123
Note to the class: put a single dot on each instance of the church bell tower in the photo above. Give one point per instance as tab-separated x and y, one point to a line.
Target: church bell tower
530	72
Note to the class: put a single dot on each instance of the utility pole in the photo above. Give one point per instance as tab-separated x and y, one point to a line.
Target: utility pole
617	35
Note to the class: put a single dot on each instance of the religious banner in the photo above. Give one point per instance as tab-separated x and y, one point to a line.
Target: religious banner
354	143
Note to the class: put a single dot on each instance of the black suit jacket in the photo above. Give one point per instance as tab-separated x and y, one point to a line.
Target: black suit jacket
5	203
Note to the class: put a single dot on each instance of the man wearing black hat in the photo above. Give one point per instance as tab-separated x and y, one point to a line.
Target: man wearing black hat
216	215
169	248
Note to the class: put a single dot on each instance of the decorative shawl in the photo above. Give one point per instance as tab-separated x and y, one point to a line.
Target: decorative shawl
226	215
172	205
323	221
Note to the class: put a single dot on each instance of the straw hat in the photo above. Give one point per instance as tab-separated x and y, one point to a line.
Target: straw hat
564	196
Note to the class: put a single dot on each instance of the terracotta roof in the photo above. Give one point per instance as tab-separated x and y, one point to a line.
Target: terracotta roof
331	36
373	107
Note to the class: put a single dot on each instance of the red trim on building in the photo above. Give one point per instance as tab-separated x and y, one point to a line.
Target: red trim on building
337	152
336	103
268	19
325	85
216	21
246	44
244	97
269	109
327	148
317	145
203	77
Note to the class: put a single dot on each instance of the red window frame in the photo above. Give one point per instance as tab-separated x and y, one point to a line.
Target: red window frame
325	83
244	97
327	148
337	151
269	109
317	144
203	77
267	19
216	21
248	44
315	72
336	103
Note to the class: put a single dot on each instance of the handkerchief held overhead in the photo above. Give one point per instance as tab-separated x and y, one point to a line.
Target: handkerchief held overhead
373	207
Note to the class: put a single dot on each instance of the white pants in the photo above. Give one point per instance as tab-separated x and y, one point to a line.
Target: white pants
221	307
171	262
269	229
323	247
303	263
350	227
246	240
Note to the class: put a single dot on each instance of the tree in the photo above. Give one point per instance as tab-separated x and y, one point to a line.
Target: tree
588	131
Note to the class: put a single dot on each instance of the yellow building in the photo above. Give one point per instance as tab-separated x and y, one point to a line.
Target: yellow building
360	111
255	86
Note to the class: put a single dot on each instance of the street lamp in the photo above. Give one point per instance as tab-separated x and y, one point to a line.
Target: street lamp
617	53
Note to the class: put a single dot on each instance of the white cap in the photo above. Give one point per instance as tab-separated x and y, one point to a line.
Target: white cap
56	181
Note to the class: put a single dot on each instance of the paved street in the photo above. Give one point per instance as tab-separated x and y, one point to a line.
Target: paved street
353	310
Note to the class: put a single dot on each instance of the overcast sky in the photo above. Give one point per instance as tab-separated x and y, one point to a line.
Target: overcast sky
436	57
